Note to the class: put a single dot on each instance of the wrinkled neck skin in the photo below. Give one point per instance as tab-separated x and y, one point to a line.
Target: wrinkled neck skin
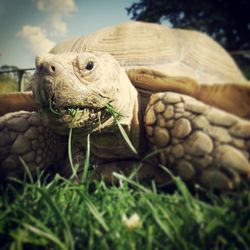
87	82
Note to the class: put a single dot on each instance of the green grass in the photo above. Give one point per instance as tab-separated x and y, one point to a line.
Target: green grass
60	214
9	83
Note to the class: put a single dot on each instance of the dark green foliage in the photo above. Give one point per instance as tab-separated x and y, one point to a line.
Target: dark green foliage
227	21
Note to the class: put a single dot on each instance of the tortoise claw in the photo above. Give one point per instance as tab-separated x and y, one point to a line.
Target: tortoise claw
215	179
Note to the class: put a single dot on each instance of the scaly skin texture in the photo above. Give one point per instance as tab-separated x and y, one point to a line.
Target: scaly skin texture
198	142
24	135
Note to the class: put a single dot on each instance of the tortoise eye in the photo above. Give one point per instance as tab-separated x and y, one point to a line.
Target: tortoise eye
90	65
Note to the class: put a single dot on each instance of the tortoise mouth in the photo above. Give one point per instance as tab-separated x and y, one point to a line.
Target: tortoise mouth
84	117
75	116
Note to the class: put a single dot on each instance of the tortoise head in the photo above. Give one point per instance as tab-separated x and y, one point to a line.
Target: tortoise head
73	90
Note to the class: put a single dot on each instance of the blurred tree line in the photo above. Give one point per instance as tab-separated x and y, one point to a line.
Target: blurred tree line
227	21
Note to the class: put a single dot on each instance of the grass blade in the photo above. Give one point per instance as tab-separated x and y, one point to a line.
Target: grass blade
70	153
46	235
134	183
27	170
87	160
116	115
126	138
152	154
52	107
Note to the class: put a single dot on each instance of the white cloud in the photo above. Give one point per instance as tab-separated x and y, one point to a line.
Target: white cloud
35	36
36	39
58	24
58	10
62	7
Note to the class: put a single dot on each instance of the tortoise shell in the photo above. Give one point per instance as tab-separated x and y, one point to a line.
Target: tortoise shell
174	52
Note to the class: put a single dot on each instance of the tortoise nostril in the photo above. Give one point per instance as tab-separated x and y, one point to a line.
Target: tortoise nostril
45	68
53	68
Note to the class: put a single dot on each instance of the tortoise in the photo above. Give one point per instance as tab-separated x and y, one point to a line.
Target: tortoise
176	95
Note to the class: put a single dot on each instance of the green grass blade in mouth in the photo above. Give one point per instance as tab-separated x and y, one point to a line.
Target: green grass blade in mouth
110	109
74	168
73	112
70	153
125	136
116	115
87	160
52	107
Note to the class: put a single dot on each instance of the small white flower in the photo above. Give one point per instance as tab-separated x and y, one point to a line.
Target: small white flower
132	222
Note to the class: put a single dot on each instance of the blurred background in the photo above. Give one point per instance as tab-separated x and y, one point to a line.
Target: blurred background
32	27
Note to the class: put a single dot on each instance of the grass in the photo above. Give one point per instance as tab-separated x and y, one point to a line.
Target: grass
9	83
60	214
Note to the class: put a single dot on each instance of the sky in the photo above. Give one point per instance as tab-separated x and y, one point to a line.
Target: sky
32	27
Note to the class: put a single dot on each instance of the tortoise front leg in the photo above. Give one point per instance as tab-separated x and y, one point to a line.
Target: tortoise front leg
200	143
16	101
23	136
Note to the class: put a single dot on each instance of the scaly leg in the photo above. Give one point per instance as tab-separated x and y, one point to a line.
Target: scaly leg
22	134
199	143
